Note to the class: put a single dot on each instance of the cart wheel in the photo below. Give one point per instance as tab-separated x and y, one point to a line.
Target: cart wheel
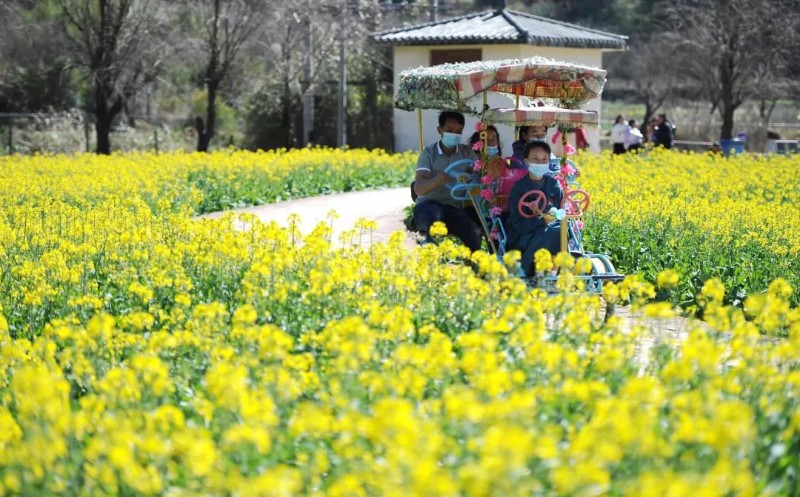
532	204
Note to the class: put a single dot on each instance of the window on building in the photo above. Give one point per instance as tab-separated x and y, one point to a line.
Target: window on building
445	56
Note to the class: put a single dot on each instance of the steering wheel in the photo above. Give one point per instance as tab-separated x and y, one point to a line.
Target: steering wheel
532	204
458	171
462	191
576	202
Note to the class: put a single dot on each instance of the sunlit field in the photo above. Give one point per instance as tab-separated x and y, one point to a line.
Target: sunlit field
737	219
147	352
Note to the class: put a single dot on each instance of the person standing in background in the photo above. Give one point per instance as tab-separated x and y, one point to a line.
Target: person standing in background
663	135
618	134
634	138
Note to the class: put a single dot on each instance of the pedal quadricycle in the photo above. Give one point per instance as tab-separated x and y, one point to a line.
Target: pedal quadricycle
541	92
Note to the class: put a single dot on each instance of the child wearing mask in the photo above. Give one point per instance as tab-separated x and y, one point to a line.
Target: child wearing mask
527	134
492	142
529	235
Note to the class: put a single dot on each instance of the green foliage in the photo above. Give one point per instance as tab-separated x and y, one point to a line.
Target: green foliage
226	131
635	18
265	123
252	186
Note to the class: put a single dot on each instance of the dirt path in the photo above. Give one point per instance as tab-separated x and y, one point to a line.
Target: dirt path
386	208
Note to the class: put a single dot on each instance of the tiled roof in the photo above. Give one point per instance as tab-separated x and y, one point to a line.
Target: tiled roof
502	26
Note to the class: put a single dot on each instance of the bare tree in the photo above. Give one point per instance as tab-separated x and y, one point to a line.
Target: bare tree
115	40
735	48
10	14
648	70
300	38
227	25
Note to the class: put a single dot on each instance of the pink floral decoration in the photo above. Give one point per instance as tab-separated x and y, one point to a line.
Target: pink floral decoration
579	224
555	137
479	126
477	145
478	165
487	194
486	179
496	211
569	150
567	169
570	206
494	234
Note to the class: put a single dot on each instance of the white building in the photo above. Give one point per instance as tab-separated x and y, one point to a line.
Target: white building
490	35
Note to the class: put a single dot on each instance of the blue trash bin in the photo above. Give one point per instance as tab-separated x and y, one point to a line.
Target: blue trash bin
732	146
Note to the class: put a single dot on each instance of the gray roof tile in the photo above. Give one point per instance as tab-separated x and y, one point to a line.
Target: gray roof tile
502	26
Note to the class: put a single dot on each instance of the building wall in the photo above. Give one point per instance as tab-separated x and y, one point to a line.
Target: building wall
406	136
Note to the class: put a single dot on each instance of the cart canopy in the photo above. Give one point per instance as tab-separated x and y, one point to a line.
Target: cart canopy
450	86
541	116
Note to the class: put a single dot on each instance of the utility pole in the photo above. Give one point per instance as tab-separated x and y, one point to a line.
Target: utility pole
434	10
341	121
308	69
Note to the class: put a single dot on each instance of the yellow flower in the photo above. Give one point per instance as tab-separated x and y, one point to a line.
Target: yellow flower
611	292
348	485
564	260
10	431
244	434
438	229
713	291
667	279
543	260
658	310
511	258
583	266
780	288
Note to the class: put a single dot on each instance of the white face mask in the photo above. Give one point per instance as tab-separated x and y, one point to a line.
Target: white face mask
538	170
451	139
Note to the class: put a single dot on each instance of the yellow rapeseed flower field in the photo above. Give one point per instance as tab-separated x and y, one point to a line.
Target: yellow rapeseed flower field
704	215
144	352
206	182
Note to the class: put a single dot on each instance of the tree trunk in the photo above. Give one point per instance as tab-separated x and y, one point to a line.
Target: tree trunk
103	132
128	115
205	134
286	113
649	110
726	131
104	115
205	130
727	106
371	103
765	113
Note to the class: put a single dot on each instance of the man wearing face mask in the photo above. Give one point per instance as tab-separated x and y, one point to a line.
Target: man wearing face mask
434	202
529	235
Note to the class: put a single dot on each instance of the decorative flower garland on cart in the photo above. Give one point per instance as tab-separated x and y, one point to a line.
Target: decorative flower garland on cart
497	176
